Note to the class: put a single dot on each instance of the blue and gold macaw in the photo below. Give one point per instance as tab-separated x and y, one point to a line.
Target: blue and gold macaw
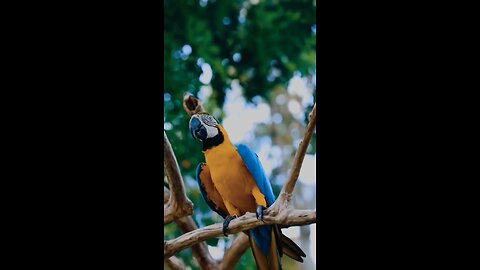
232	182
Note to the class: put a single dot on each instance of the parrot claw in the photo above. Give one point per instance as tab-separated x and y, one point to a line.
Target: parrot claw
259	212
226	222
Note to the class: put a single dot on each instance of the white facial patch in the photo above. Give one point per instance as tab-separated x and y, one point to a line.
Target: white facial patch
211	131
210	125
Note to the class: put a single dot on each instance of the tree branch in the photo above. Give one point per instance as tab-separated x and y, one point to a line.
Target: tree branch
175	263
248	221
235	252
178	205
284	199
166	195
200	249
300	154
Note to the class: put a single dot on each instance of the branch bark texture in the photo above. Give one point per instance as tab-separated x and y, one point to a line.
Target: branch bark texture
178	204
175	263
243	223
284	199
235	252
199	249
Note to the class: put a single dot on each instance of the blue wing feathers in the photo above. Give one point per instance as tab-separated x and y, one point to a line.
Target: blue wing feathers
255	168
261	235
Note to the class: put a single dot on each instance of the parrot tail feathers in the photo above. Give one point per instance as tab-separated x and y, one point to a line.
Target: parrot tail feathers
287	246
266	259
291	249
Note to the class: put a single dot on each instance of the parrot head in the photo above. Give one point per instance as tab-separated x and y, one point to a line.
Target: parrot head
203	126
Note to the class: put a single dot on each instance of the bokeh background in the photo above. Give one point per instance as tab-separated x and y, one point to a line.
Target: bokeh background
253	65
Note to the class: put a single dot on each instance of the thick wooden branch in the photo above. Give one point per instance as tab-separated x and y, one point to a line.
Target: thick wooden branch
178	204
200	249
174	263
235	252
248	221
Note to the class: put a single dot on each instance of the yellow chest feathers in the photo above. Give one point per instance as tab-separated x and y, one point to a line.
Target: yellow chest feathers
228	172
225	162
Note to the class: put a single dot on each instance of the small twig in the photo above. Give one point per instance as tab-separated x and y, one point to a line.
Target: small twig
178	205
235	252
248	221
175	263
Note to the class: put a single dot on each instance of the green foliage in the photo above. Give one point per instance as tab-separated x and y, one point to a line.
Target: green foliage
274	39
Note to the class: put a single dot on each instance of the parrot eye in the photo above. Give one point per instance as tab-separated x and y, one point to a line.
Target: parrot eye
208	120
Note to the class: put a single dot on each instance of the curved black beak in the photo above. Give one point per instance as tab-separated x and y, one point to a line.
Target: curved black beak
197	130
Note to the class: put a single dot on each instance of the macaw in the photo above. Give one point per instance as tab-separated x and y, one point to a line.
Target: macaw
232	182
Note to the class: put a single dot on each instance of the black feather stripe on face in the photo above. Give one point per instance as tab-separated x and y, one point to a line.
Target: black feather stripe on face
212	142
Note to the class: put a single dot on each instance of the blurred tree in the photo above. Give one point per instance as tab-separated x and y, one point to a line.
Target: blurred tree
260	44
